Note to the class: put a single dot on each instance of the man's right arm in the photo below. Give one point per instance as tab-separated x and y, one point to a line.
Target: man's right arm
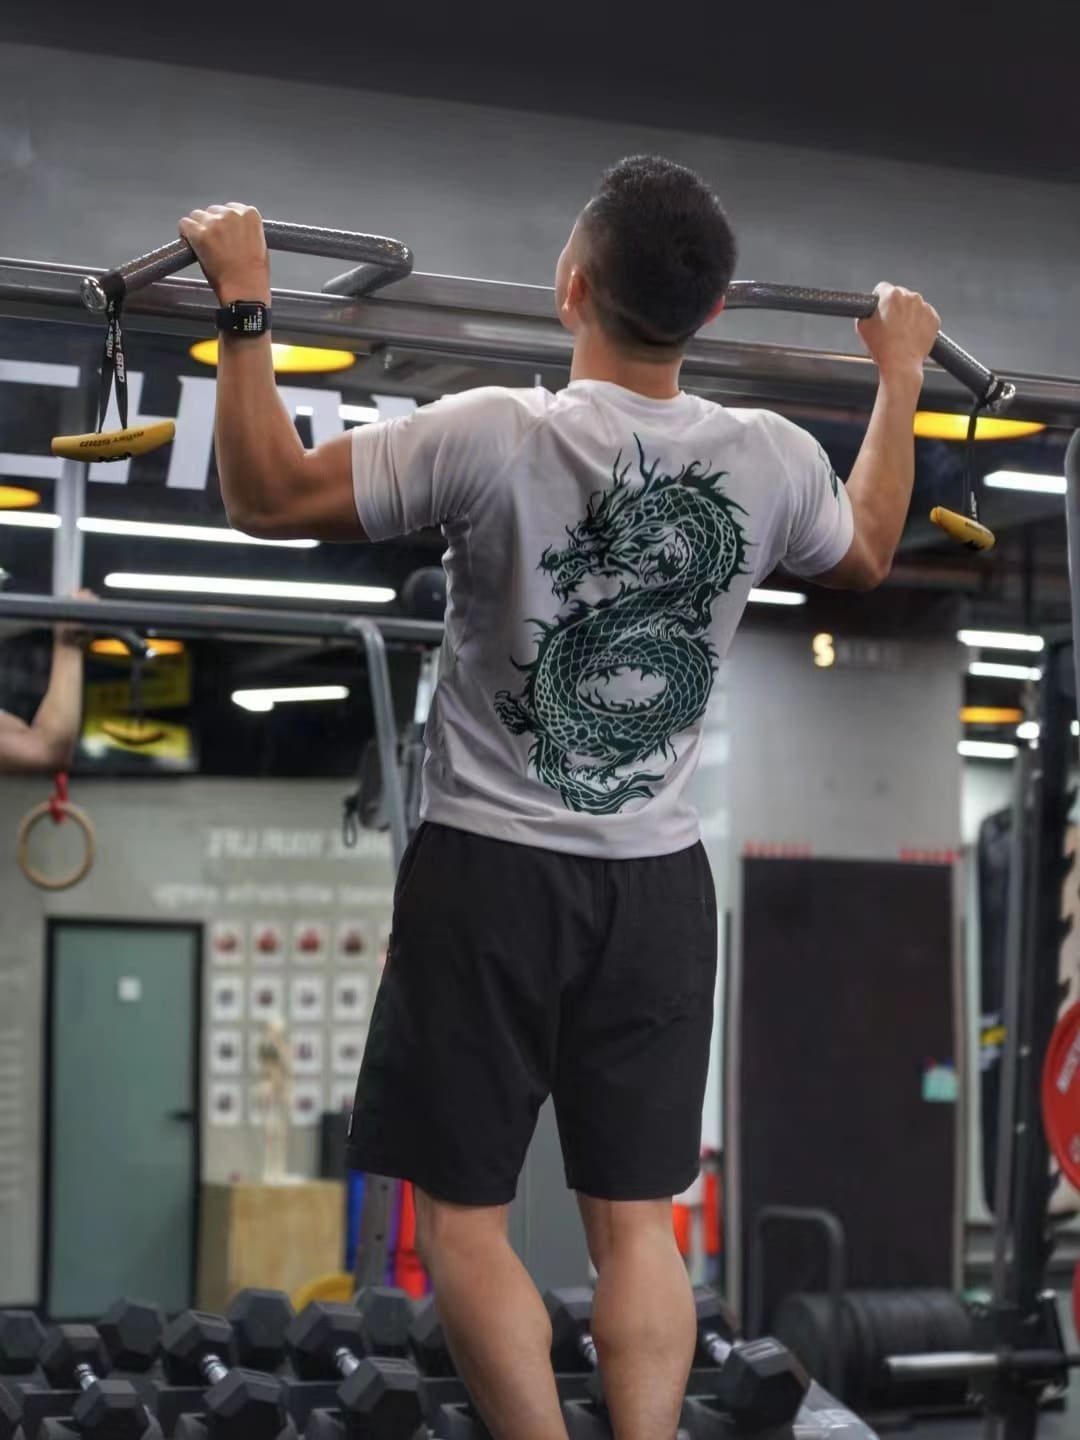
899	336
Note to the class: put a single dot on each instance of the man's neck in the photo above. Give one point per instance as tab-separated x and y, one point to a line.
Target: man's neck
596	359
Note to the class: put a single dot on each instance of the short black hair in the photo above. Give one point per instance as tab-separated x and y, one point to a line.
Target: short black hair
662	252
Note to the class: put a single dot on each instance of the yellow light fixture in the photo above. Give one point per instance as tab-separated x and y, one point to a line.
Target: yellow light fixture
288	359
111	646
990	715
15	497
939	425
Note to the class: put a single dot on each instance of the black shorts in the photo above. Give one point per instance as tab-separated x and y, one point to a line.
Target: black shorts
514	973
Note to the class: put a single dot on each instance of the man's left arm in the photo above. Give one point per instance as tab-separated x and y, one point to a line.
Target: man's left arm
271	486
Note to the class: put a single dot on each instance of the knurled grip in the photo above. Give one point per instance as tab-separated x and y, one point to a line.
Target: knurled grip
381	260
989	389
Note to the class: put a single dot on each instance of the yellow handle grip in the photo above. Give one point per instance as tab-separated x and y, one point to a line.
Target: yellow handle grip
961	527
114	444
133	732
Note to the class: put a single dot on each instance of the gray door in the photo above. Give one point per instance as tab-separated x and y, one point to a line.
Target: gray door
122	1115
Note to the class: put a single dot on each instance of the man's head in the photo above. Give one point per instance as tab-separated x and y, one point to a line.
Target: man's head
648	260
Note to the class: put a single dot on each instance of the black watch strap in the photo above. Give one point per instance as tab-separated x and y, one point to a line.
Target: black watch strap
244	317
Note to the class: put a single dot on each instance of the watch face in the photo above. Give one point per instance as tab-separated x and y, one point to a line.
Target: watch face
249	319
245	317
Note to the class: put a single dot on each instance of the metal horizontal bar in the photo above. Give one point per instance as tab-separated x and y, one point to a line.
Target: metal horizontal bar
220	621
489	320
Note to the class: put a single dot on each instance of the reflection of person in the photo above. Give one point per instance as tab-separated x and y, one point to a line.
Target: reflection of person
555	922
275	1096
48	742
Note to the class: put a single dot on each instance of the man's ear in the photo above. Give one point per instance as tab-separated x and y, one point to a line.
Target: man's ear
715	311
577	294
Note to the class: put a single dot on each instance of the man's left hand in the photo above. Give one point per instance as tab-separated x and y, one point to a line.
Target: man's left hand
231	248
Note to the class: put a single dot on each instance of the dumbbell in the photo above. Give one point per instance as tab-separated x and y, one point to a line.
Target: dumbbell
239	1404
260	1321
387	1315
427	1341
10	1416
717	1326
75	1357
759	1382
380	1397
132	1330
21	1337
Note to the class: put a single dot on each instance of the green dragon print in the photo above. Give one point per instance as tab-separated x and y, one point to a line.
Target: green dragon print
613	682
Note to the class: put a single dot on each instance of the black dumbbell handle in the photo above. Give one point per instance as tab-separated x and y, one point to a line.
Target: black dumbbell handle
345	1361
213	1369
715	1347
84	1376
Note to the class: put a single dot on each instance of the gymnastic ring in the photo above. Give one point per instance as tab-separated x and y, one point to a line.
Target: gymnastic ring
47	808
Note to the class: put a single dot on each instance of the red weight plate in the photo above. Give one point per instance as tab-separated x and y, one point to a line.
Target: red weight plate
1061	1094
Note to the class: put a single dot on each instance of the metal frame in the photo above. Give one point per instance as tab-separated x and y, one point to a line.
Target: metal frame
489	320
836	1270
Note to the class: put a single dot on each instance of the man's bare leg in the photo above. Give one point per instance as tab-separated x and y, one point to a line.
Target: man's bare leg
643	1319
495	1323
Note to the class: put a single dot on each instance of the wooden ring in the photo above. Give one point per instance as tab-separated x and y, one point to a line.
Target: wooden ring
22	843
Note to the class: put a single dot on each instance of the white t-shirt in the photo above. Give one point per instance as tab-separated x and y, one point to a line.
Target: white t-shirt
600	549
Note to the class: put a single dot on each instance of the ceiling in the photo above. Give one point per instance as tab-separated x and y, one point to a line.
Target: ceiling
956	82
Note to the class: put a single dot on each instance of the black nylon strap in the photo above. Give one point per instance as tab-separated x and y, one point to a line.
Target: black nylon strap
113	368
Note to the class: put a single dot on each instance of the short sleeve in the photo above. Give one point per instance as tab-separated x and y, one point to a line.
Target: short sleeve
822	525
433	466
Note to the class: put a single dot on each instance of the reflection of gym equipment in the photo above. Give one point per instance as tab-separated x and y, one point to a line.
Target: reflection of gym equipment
423	597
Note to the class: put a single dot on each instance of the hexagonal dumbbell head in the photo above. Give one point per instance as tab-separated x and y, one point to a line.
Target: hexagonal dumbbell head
318	1333
761	1384
246	1405
716	1322
189	1340
69	1346
382	1399
387	1316
10	1416
570	1310
21	1338
111	1410
427	1341
260	1319
132	1330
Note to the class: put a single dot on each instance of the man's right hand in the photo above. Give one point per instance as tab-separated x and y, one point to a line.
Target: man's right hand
901	332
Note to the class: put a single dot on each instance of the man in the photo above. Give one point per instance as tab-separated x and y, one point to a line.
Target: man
554	922
48	742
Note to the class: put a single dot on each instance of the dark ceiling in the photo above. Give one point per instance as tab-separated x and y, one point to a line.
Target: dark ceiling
974	83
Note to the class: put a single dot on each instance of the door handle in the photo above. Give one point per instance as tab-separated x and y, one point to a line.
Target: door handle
187	1116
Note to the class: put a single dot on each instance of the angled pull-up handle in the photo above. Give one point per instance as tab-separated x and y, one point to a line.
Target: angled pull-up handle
989	390
377	261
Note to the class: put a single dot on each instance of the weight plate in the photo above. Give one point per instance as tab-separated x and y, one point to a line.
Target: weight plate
1061	1094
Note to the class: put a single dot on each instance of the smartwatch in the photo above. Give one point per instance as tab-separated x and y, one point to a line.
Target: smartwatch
244	317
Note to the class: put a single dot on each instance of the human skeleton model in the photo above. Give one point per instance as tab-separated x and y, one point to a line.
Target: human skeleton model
275	1097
